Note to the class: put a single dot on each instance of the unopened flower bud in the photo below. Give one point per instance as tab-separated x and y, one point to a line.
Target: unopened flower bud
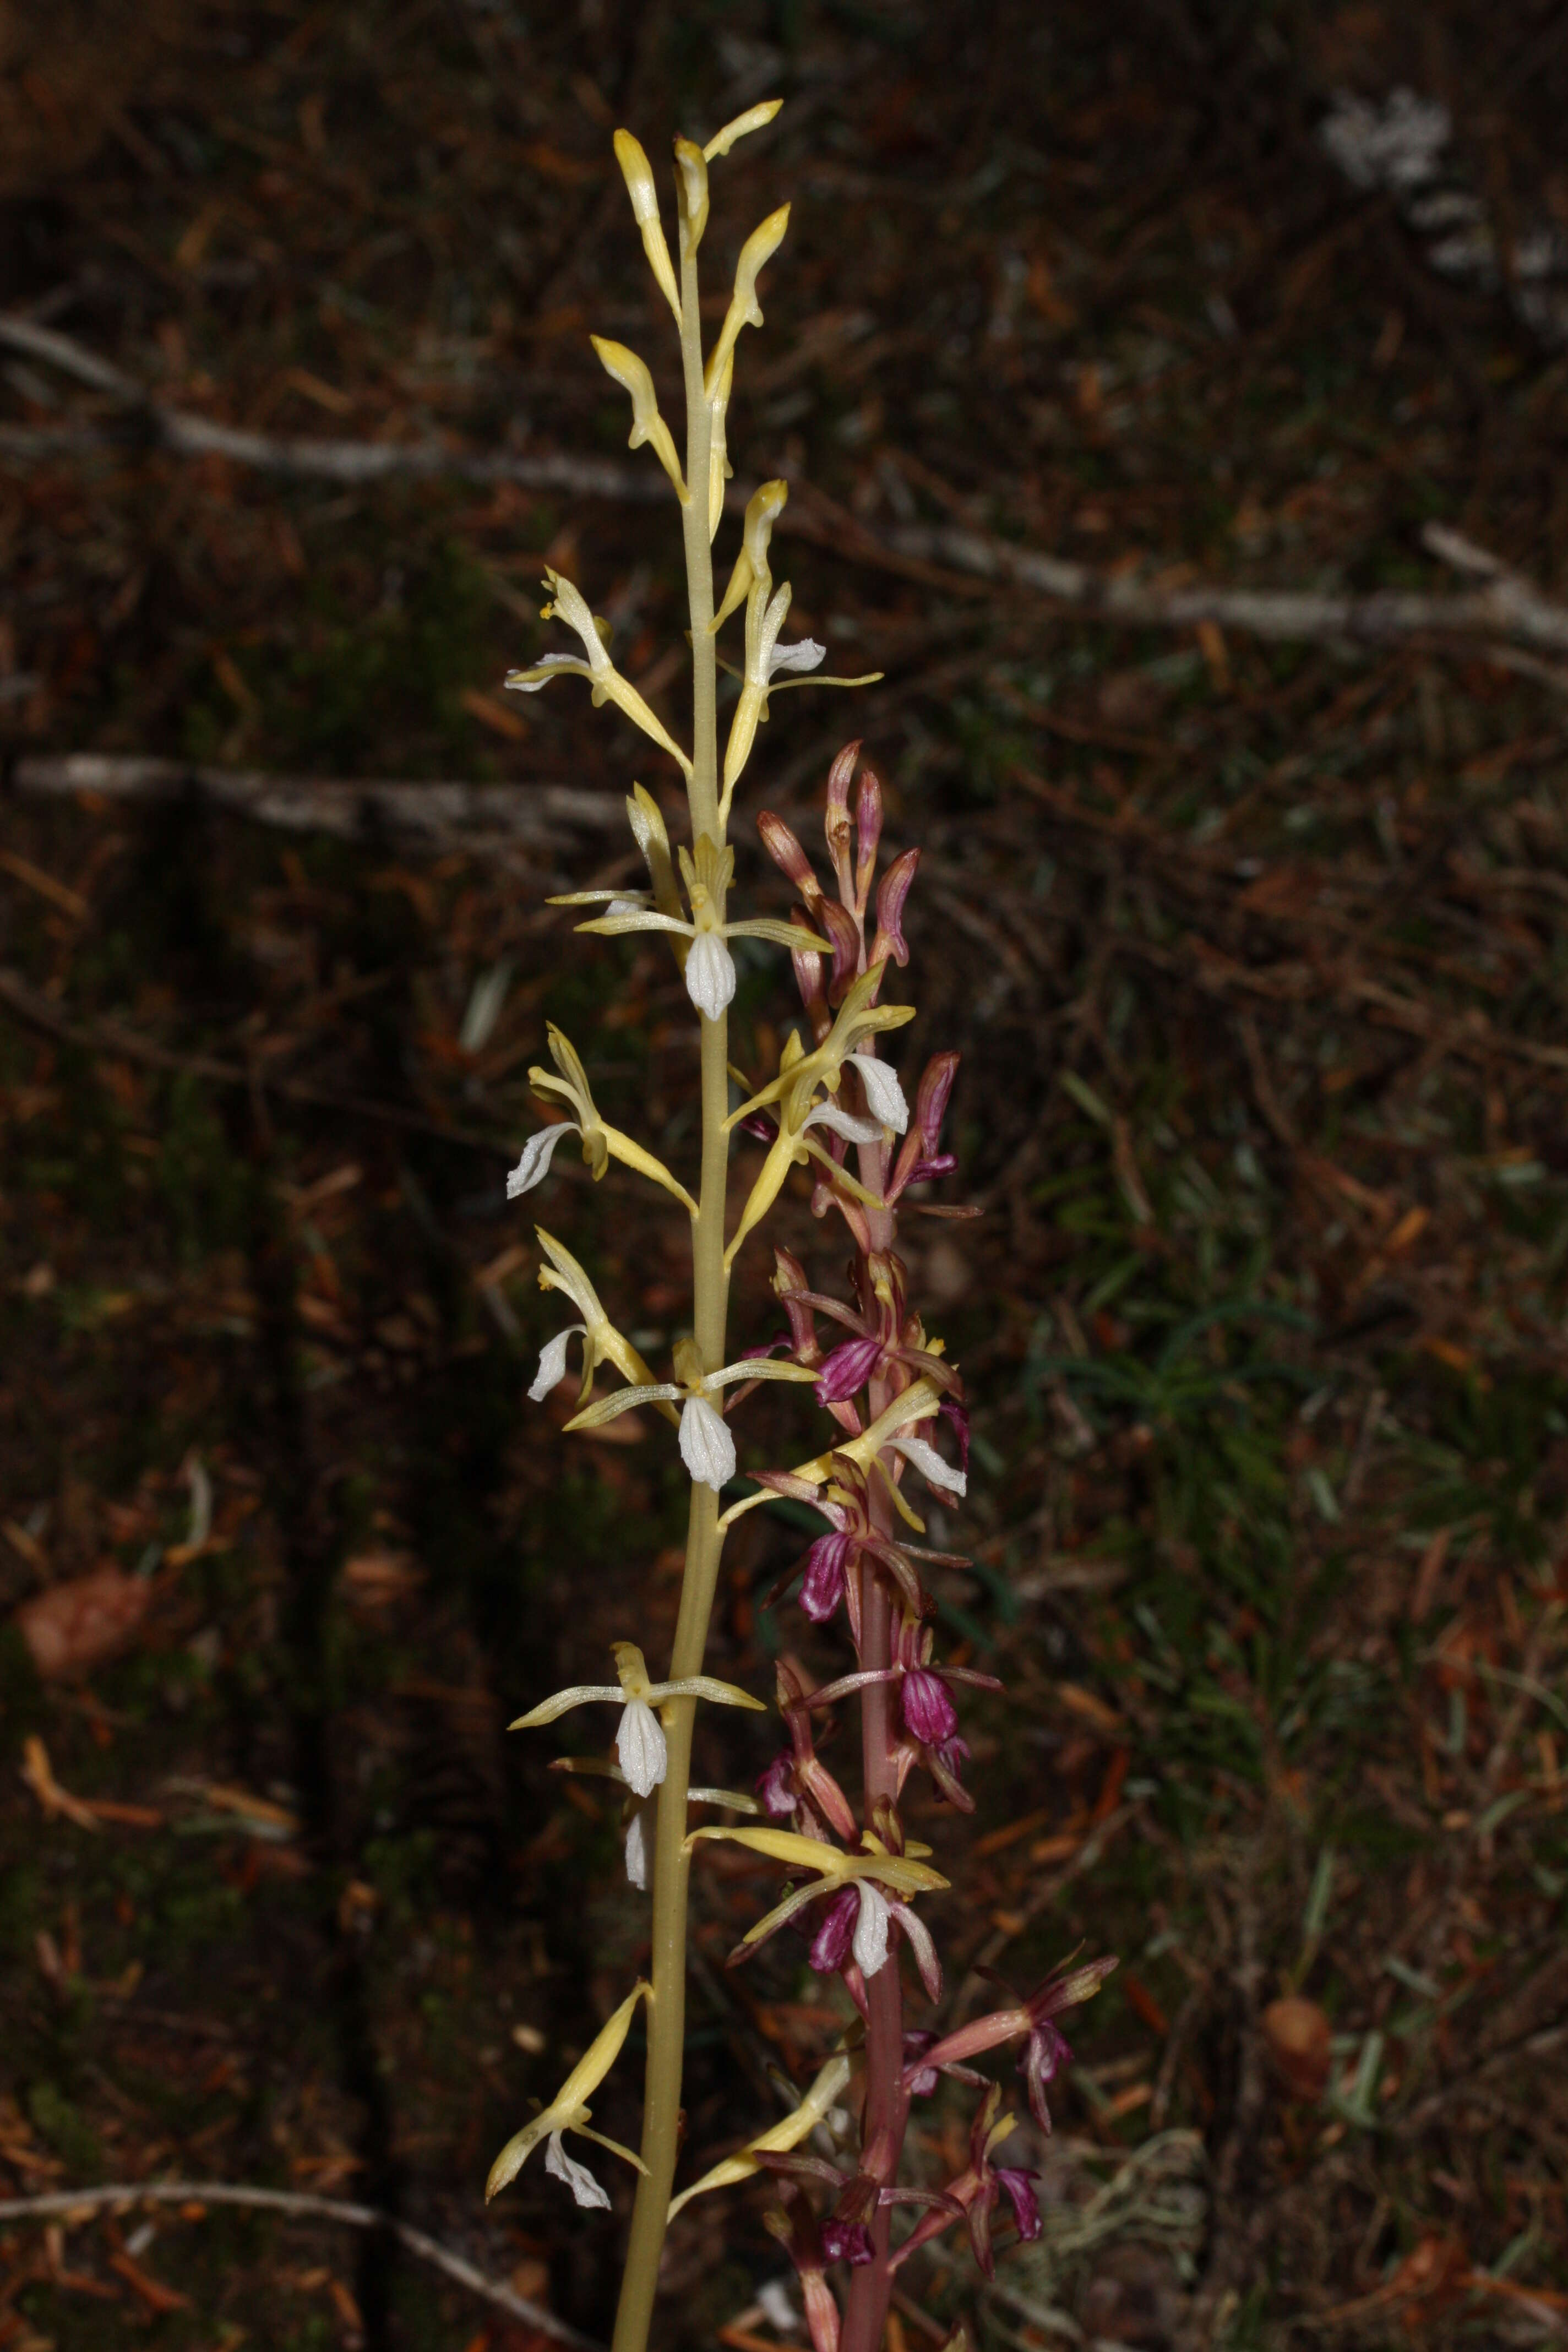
788	856
836	822
891	893
867	830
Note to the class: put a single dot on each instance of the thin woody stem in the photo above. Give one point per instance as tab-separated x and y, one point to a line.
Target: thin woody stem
666	2007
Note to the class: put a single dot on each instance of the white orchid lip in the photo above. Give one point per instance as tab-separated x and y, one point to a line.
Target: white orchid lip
641	1748
929	1462
707	1447
710	974
537	1154
552	1362
586	2190
872	1923
884	1095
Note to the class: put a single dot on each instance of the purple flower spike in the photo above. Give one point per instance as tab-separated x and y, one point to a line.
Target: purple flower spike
760	1127
775	1790
850	2242
830	1945
822	1587
958	1414
1021	2194
846	1370
928	1710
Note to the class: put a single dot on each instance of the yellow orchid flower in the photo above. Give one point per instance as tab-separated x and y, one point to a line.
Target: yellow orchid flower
753	118
569	2111
867	1875
602	1343
709	969
601	1142
568	603
746	310
788	2133
707	1448
639	1737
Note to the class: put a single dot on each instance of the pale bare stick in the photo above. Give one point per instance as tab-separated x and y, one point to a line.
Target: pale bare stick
58	2203
1502	608
443	814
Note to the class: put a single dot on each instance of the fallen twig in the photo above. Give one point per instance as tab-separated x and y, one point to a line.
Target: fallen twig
474	815
1502	607
59	2202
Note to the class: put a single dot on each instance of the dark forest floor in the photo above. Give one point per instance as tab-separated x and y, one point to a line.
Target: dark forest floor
1258	958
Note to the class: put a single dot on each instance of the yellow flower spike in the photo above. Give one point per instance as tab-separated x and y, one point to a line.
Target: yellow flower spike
569	2111
753	118
637	173
788	2133
746	310
719	466
691	194
764	509
648	424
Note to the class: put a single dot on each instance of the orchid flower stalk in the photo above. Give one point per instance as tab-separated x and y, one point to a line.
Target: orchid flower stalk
887	1386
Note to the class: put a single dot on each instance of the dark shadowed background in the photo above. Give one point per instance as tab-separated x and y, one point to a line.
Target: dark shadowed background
1255	946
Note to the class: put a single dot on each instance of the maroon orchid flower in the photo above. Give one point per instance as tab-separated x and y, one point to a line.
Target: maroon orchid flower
1045	2051
980	2188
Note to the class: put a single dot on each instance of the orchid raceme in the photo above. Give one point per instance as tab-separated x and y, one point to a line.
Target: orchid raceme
818	2102
569	2111
885	1385
639	1737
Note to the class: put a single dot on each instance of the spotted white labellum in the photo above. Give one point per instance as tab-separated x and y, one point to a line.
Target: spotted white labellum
637	1851
710	974
639	1744
578	2177
707	1447
884	1095
537	1154
552	1362
929	1462
871	1922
